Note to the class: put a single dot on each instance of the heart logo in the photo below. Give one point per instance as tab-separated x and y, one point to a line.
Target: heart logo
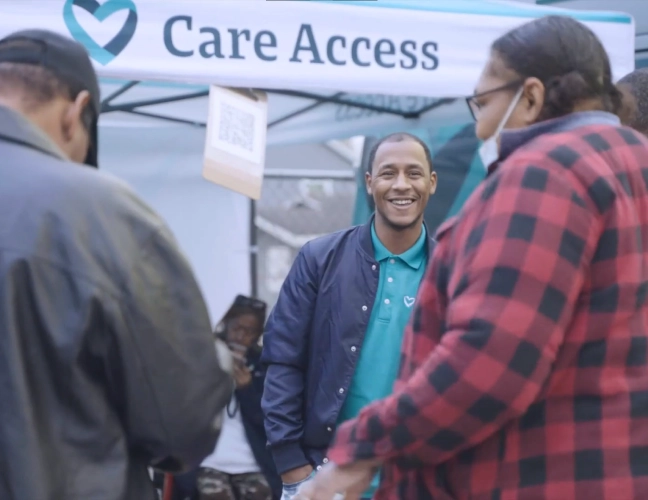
409	301
103	55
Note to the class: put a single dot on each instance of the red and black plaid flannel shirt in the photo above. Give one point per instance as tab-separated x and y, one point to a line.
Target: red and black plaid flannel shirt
524	371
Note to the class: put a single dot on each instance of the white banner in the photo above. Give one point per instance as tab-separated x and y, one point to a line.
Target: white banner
435	48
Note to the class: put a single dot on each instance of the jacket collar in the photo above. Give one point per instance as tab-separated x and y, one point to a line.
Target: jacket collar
366	244
17	129
511	140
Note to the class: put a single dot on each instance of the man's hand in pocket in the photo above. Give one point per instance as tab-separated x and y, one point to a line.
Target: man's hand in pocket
297	475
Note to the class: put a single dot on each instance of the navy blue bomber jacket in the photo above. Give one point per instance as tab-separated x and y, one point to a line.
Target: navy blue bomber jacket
312	343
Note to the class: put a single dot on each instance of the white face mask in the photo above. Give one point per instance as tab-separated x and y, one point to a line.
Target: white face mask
489	150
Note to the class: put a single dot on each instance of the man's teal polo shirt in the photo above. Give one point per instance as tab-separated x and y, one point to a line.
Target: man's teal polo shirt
379	361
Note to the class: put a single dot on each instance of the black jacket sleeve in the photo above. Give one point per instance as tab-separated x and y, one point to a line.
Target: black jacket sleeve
285	353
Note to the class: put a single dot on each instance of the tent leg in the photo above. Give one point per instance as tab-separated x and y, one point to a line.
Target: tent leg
254	252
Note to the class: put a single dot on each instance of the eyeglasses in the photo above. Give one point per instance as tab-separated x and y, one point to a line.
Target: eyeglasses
475	107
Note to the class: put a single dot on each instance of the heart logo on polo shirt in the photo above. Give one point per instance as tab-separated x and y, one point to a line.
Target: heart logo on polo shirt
101	12
409	301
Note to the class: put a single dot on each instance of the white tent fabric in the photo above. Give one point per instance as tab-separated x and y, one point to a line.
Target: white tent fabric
398	47
336	68
333	69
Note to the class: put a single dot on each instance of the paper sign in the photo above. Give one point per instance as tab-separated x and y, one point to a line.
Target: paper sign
236	140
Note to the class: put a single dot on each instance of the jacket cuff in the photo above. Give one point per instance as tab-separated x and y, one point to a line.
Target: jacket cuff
288	456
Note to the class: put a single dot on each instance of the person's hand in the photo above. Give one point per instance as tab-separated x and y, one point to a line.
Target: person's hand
351	481
297	475
242	374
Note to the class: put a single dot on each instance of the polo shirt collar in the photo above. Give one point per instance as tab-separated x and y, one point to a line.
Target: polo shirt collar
511	140
414	257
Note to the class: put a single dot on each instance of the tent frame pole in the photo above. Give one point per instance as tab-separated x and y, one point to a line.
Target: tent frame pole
338	98
105	103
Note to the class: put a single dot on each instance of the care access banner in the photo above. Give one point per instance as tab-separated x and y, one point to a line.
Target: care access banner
431	48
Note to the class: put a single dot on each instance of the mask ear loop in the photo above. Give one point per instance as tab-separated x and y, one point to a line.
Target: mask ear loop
509	112
489	150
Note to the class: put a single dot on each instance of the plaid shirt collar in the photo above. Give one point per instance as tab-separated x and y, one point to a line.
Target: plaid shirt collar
414	257
511	140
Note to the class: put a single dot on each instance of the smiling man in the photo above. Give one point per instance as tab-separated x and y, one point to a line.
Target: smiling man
332	344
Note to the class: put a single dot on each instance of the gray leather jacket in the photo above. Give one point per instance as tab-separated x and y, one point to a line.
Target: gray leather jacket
107	362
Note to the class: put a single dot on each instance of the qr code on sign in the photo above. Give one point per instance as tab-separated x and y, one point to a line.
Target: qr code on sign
236	127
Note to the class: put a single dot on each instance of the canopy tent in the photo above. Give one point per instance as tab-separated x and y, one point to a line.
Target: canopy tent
332	69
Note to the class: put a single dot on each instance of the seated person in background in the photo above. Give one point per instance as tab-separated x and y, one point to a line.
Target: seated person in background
241	467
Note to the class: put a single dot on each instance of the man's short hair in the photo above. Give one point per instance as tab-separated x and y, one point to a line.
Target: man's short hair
399	137
34	85
637	84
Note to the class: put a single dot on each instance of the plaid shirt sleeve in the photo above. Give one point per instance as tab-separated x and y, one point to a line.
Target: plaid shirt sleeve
510	276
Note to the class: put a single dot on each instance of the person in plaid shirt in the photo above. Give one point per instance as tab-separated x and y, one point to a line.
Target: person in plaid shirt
524	373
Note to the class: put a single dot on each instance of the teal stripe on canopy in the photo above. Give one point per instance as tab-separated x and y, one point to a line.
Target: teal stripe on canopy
488	8
156	84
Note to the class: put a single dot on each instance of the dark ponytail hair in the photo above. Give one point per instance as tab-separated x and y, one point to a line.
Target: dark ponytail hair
567	57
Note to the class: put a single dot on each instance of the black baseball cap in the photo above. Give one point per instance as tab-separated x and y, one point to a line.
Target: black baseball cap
66	59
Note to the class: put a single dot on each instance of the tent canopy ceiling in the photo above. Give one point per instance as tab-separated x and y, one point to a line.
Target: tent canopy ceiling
294	116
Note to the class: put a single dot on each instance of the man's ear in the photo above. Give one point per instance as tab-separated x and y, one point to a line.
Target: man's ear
433	183
73	114
368	183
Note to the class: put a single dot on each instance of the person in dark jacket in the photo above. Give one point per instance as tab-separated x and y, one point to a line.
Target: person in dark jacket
105	340
332	343
241	466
